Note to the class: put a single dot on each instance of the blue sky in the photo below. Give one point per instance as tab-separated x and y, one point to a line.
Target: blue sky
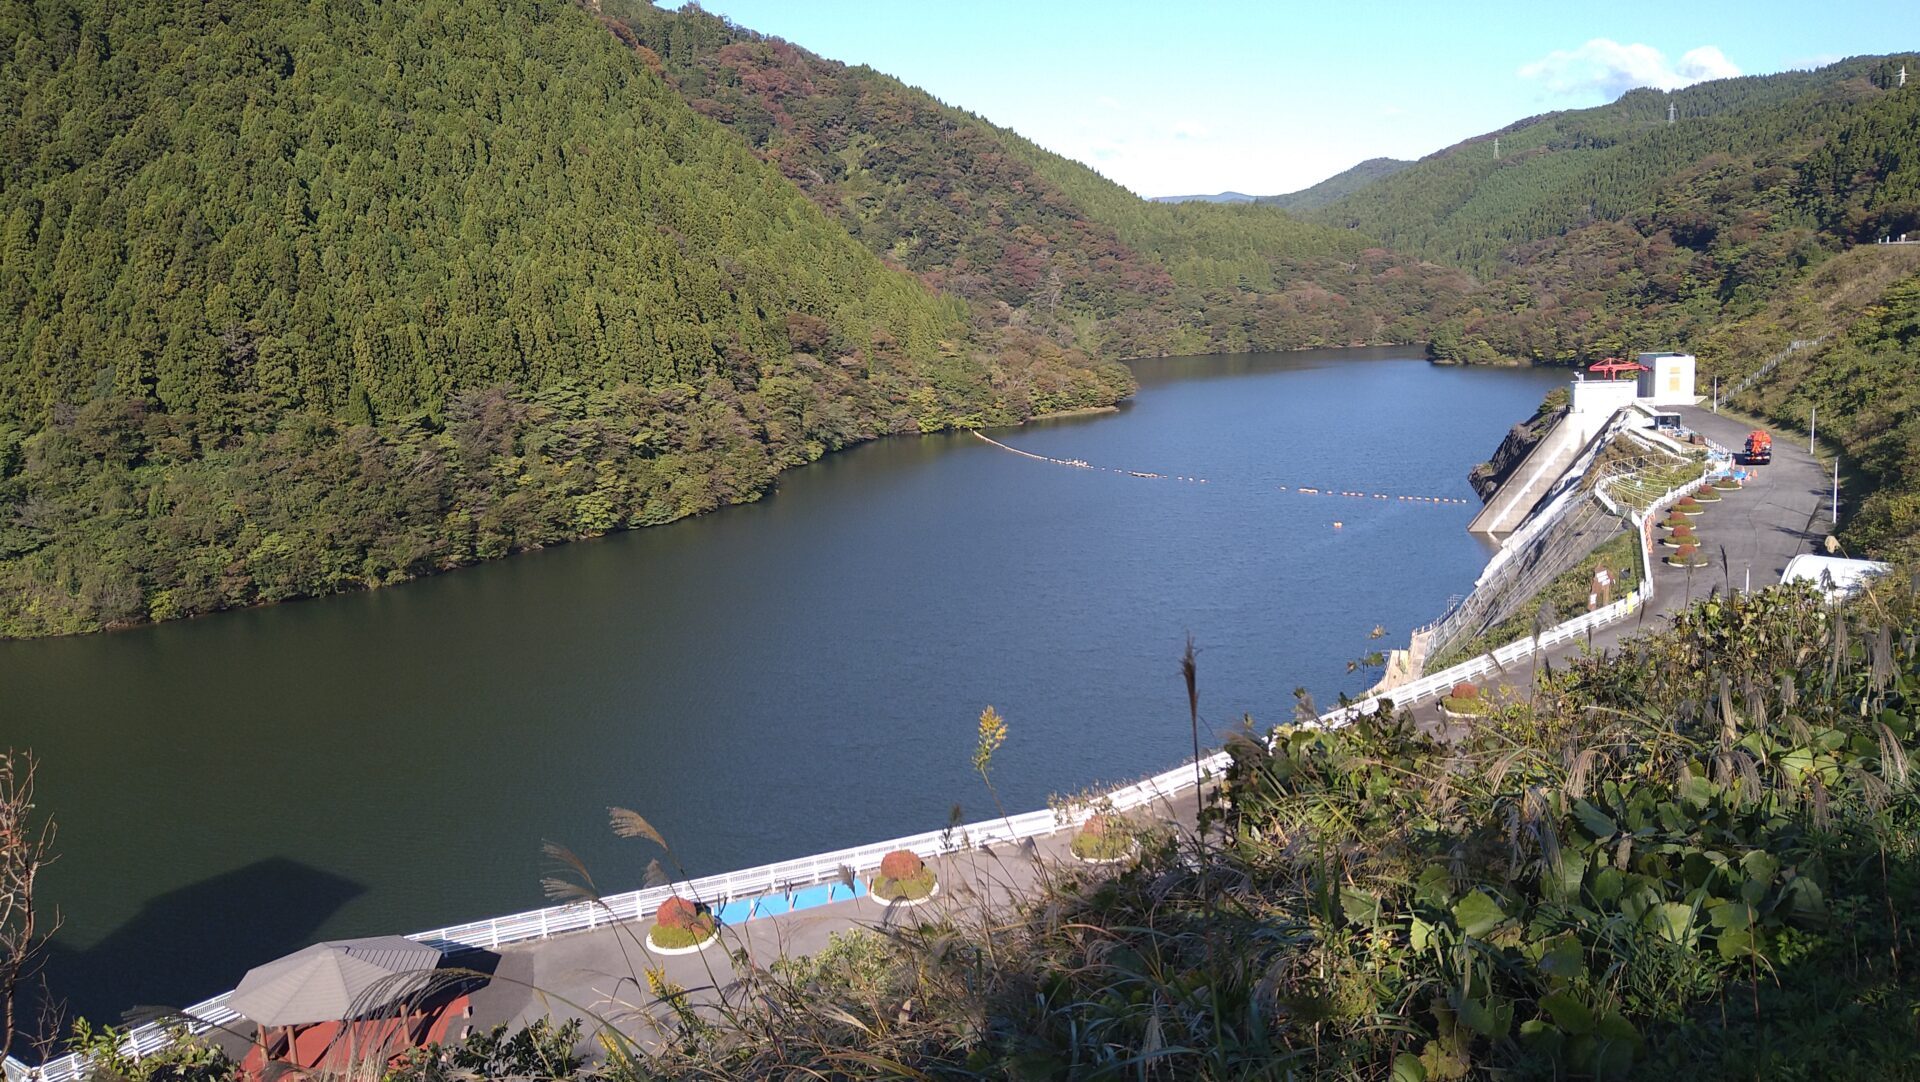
1270	97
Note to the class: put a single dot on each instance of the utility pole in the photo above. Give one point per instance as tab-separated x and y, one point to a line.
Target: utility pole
1836	490
1813	416
1716	394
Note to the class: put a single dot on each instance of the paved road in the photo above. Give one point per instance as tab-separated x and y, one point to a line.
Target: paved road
1751	534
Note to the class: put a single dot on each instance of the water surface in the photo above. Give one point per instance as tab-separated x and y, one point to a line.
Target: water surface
772	680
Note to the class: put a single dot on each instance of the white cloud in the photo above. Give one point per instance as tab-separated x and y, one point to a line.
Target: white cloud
1611	68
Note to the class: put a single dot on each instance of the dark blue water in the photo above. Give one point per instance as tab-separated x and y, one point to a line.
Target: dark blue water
772	680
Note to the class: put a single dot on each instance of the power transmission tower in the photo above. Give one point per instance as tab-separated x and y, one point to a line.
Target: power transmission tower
1669	114
1496	148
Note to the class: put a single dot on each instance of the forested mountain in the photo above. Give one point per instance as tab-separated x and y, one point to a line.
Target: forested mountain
1337	186
297	298
1607	229
1036	240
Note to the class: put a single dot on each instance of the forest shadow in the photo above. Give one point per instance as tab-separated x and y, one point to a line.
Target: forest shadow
195	942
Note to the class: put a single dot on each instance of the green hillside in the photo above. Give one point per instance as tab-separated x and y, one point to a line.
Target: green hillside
1032	238
1608	229
1560	171
1337	186
298	298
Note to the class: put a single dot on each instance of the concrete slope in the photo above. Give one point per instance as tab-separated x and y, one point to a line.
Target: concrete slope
1530	481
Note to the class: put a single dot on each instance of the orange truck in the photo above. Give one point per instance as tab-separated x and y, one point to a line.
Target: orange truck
1759	449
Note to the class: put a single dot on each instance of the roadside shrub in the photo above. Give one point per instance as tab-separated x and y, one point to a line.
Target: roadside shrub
1686	503
1687	555
1684	529
676	912
903	877
681	923
901	864
1464	699
1100	838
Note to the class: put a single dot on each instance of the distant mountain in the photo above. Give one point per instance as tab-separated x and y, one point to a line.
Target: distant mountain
1337	186
1222	197
1031	239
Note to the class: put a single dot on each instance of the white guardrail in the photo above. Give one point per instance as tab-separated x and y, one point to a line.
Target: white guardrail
536	924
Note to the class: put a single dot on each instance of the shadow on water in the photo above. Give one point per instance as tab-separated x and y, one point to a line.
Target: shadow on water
180	947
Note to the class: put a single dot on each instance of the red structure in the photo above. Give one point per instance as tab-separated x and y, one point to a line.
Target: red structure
1615	368
371	1044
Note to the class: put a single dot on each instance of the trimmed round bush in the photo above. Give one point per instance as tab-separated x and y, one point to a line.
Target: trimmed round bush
1706	495
1681	535
676	912
1676	518
1100	838
1685	503
1464	699
903	877
1687	555
1726	484
680	923
902	864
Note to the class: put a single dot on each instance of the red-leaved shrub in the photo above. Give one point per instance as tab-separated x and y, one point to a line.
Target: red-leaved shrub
1464	690
676	912
1685	552
1683	530
901	864
1095	826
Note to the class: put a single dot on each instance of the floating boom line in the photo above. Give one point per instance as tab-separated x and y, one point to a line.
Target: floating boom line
1083	464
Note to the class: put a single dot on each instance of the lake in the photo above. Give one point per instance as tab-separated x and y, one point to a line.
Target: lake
795	675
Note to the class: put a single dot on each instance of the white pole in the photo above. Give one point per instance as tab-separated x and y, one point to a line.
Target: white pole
1813	417
1716	394
1836	489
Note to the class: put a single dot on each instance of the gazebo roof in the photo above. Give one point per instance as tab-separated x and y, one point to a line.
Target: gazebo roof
334	981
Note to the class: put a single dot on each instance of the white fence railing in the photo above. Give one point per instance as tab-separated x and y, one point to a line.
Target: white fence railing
536	924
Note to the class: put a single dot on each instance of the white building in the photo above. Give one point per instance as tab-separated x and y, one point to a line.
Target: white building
1668	380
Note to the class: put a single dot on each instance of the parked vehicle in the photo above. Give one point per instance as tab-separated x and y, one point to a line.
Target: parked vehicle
1759	449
